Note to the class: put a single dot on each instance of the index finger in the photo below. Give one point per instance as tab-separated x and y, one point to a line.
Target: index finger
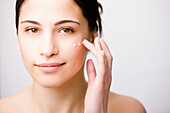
90	46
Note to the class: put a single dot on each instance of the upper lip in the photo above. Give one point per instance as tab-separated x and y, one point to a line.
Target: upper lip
53	64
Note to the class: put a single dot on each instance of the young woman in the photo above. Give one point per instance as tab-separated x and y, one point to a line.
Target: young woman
54	38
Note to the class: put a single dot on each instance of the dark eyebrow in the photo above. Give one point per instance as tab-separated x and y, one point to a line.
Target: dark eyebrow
31	21
66	21
58	23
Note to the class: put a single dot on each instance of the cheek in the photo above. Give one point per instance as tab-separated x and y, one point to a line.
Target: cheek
76	59
28	51
76	51
75	55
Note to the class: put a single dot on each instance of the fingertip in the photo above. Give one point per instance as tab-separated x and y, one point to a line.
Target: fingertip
103	43
84	41
97	39
102	40
91	72
88	61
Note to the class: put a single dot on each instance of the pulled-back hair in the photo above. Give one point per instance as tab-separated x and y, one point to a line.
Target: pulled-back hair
91	10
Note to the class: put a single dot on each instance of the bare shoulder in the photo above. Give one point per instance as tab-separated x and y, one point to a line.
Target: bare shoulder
124	104
7	104
12	104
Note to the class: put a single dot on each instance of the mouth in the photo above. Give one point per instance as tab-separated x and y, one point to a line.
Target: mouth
49	67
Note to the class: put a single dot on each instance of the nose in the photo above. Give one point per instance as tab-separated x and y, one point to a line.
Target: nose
48	48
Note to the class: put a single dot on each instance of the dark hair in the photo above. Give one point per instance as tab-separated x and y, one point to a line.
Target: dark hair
17	11
91	10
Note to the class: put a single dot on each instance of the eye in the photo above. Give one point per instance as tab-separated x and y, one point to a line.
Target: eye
32	30
66	30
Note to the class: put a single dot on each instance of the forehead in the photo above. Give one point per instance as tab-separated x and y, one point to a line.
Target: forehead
51	10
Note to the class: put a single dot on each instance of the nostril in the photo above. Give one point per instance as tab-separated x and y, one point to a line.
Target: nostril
52	54
41	53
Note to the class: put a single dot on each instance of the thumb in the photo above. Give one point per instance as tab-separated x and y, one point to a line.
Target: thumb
91	71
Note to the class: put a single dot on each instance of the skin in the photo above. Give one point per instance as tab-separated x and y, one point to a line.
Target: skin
46	33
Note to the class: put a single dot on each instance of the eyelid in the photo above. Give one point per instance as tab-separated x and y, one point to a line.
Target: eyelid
69	28
29	28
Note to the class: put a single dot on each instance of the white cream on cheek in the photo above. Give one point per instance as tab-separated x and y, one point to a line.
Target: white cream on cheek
77	44
74	45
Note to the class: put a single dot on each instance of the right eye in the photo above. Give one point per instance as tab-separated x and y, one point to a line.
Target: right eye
32	30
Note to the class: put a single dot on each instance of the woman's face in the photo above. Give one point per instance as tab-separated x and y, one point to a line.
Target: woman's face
48	31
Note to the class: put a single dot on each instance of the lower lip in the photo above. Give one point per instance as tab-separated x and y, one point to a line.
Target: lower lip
48	69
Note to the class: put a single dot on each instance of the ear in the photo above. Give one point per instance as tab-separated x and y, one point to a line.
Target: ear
94	35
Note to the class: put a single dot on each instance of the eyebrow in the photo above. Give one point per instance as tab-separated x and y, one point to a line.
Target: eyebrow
31	21
66	21
57	23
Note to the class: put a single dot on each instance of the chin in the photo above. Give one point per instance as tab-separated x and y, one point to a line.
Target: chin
52	81
50	85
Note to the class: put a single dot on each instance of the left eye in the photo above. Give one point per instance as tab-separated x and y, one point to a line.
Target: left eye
66	30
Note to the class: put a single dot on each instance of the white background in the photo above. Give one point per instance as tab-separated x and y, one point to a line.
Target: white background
138	34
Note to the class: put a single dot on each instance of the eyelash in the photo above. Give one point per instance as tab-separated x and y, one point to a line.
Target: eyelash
67	30
32	30
63	30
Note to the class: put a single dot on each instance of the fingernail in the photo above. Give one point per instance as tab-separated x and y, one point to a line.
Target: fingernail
84	41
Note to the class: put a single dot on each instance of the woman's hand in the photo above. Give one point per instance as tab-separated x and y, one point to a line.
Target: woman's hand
99	82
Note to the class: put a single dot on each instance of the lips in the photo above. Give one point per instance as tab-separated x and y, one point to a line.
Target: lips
49	67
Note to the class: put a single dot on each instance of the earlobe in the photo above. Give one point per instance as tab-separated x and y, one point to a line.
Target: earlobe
94	35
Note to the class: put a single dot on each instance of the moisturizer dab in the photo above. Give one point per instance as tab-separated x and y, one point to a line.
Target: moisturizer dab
79	44
75	45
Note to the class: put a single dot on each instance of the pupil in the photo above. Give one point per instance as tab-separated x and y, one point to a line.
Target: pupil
66	30
34	30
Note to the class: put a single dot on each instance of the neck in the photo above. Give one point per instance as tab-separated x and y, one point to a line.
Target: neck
65	99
